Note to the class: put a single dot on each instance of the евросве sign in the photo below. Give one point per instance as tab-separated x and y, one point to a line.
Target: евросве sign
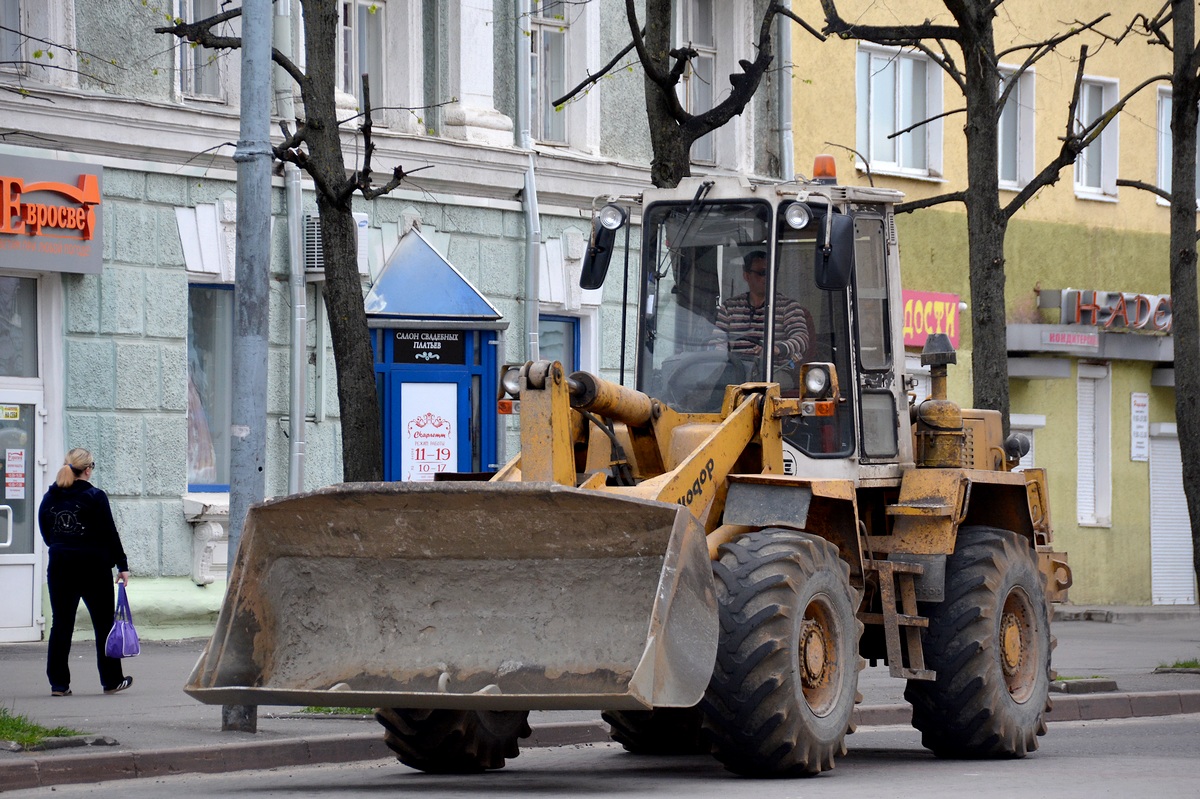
50	216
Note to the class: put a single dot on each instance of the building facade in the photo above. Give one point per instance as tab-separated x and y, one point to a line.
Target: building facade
1087	294
128	353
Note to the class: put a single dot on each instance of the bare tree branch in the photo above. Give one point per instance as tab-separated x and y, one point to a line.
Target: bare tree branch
200	33
916	205
787	12
926	121
885	34
1076	139
1137	184
1040	49
865	162
593	78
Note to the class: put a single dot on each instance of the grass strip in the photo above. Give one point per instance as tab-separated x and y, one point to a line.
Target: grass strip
27	733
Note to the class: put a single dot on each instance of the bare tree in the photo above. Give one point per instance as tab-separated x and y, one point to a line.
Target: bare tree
985	88
1174	27
316	147
673	129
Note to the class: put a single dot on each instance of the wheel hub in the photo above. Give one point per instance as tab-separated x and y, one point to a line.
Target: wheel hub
812	653
1011	649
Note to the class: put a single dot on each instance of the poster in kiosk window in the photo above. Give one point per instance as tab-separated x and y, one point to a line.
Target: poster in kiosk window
430	440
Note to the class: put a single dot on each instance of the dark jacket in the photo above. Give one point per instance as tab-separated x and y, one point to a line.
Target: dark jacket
78	520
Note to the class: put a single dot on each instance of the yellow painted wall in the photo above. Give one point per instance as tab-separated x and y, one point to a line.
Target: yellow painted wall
1057	241
824	104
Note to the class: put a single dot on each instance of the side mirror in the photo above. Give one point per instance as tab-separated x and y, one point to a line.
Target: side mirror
599	252
835	258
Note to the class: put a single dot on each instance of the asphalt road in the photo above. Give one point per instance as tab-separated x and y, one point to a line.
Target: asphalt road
1131	759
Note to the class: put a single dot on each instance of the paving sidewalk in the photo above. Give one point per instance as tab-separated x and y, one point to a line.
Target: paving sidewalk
154	729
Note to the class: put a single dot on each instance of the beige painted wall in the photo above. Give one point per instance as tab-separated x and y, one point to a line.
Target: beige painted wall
824	108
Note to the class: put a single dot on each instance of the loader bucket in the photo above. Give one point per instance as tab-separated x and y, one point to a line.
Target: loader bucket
490	596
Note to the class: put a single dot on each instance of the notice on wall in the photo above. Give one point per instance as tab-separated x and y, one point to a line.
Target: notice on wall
14	474
430	413
1139	426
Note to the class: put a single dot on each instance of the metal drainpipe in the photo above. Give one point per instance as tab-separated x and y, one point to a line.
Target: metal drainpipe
533	223
787	155
298	290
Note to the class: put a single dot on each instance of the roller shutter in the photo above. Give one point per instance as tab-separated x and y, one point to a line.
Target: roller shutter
1172	577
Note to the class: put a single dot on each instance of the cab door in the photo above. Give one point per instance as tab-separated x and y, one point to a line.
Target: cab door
879	390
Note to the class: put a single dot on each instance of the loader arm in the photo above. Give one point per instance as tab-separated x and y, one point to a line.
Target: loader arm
680	458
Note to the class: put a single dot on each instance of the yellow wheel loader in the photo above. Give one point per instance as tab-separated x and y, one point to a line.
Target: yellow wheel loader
709	557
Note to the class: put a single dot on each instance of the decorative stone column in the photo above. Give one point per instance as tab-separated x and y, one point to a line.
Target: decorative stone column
474	116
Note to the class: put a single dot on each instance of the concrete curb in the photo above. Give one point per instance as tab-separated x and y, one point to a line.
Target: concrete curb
39	771
1126	615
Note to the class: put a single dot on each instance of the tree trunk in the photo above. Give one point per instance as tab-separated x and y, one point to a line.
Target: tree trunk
362	439
671	162
1185	91
358	400
986	222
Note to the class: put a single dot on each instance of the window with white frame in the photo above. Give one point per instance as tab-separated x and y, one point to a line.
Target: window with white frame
199	67
548	28
1164	144
11	52
1093	482
210	379
899	90
558	340
1016	130
361	46
1026	424
37	39
696	30
1096	166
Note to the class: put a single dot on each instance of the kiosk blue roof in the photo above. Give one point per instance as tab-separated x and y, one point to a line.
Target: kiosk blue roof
419	283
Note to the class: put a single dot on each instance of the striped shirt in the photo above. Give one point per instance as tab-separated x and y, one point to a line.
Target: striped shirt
742	325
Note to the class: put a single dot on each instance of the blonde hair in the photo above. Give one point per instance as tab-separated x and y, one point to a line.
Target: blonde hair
74	465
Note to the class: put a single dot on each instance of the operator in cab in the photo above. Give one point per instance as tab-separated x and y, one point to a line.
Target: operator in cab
741	319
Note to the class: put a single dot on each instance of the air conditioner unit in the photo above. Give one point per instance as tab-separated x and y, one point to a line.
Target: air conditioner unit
314	258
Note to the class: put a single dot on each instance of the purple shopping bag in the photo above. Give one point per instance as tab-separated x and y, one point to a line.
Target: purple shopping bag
123	640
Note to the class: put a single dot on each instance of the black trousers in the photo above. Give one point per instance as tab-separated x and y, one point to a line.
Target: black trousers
69	579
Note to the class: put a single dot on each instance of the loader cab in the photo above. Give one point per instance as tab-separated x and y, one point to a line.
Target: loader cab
708	320
732	293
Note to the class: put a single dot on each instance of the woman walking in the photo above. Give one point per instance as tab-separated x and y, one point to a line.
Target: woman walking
77	526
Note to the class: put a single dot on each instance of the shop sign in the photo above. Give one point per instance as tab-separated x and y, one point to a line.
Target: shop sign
1139	426
928	312
1117	311
50	216
1062	338
438	347
430	441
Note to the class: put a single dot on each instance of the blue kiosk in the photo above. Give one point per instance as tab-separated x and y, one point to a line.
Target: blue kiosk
436	342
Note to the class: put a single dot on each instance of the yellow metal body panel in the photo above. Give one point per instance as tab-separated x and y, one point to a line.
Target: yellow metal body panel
547	451
694	482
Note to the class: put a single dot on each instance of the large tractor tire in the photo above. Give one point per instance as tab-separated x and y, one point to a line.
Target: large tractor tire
989	642
786	676
453	741
661	731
